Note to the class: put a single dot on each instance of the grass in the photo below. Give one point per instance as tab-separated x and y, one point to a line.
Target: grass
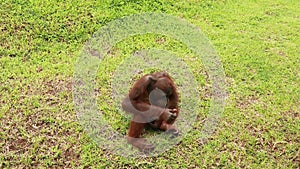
257	41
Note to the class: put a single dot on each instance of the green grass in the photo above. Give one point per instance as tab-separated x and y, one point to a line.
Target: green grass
257	41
